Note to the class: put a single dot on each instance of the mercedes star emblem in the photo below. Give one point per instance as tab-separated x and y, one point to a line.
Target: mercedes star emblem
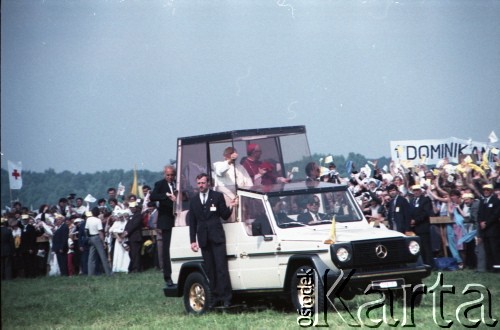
381	251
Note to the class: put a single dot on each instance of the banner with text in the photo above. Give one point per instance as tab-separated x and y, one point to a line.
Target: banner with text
430	152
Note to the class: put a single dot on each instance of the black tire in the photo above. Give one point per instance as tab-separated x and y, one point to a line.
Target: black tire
197	294
305	296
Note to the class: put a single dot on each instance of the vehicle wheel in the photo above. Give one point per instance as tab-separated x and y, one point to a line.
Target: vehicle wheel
306	290
197	294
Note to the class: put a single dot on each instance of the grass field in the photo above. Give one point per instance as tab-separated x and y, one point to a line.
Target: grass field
137	301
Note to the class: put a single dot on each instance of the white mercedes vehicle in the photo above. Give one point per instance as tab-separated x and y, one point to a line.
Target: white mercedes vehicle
271	251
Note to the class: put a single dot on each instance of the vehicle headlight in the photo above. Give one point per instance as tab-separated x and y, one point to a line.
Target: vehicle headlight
342	254
414	247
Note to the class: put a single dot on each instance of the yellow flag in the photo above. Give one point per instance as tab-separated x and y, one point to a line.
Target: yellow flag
134	190
332	238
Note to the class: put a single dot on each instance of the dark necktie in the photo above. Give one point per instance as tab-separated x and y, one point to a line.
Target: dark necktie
204	200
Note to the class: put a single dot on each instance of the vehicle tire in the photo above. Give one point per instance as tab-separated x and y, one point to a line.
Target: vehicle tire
306	290
197	294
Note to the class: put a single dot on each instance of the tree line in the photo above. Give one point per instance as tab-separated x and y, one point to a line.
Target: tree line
49	186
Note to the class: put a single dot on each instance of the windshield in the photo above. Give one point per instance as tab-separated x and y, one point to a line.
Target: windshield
314	209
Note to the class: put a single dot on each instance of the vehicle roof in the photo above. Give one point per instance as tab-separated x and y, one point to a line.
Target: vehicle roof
245	134
293	188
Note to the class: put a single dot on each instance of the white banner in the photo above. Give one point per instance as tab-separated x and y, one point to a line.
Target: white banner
15	178
430	152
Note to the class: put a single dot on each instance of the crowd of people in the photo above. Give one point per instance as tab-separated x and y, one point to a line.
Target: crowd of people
463	198
121	232
73	237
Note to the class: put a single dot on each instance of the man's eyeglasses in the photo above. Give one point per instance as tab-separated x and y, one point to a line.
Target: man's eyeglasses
315	203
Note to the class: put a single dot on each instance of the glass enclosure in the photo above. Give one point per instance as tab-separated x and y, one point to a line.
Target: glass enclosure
284	152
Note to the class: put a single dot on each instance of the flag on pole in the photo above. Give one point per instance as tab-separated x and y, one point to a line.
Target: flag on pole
333	234
15	178
349	167
493	137
139	192
121	189
134	190
328	159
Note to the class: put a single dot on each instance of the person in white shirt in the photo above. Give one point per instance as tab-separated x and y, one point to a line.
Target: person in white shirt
121	259
95	234
80	208
228	173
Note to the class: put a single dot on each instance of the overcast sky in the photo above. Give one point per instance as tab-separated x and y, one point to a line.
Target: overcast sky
97	85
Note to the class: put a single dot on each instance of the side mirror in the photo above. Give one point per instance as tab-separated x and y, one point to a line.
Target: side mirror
257	231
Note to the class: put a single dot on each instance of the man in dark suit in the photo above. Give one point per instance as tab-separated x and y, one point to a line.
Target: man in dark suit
398	211
28	246
133	232
164	193
312	215
83	245
488	217
7	251
205	212
421	210
60	244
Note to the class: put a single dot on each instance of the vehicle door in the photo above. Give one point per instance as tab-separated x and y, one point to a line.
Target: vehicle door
257	248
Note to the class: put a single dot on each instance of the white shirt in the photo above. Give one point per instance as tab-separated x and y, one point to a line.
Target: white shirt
204	197
94	225
80	210
315	216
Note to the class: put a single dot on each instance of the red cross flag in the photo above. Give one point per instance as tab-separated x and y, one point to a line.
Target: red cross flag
15	178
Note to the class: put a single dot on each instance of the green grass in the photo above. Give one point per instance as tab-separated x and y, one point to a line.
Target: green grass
136	301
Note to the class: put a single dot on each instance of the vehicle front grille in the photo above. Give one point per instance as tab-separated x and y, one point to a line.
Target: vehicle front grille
365	252
381	268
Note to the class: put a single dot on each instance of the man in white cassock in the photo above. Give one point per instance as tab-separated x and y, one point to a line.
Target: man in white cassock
228	174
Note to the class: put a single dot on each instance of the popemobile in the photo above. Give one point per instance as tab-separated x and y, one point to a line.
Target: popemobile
271	250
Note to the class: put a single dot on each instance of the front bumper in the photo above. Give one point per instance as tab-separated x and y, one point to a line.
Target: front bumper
350	282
